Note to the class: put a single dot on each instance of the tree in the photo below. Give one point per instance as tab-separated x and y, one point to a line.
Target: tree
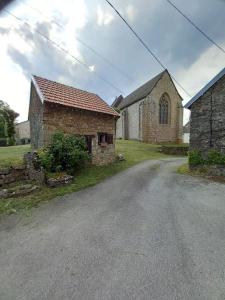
7	122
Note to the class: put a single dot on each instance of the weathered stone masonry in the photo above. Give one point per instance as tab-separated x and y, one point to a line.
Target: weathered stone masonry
140	120
55	107
207	129
81	122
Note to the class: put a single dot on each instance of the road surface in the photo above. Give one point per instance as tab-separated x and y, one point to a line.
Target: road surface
146	233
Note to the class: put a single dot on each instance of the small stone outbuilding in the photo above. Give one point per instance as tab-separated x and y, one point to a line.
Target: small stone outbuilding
55	107
207	123
153	113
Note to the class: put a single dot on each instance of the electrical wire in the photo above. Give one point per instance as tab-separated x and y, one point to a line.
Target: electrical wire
196	26
64	50
90	48
147	47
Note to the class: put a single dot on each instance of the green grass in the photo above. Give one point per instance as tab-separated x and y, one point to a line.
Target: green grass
133	151
13	155
183	169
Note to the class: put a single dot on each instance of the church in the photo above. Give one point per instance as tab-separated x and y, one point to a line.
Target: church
153	113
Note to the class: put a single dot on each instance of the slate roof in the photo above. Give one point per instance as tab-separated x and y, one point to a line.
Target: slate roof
141	92
117	101
54	92
205	88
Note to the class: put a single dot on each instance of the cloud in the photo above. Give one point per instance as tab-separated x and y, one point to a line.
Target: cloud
185	52
131	12
4	31
92	68
103	17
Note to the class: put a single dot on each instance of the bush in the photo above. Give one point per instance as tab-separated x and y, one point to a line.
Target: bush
195	158
3	142
65	153
213	158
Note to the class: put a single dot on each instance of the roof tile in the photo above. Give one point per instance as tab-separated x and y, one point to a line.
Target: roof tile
55	92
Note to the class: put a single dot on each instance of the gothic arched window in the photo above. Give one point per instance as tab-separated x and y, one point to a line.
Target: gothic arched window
164	108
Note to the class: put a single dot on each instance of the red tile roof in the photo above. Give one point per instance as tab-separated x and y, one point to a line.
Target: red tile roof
55	92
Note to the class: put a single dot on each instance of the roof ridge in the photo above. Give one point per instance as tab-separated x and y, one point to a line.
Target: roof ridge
159	74
205	88
145	86
60	93
65	85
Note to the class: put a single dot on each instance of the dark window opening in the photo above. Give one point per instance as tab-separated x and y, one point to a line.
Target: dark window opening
164	110
89	143
105	138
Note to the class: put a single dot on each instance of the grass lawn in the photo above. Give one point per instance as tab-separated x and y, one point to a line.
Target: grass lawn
12	156
133	151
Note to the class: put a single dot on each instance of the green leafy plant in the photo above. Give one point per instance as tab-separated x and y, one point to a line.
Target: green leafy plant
215	158
195	158
64	153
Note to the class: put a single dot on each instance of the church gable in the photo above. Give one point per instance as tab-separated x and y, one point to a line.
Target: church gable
154	113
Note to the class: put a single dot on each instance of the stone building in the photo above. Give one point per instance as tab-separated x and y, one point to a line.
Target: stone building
207	125
22	133
153	113
57	107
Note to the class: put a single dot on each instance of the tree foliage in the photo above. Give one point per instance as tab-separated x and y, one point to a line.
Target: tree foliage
7	122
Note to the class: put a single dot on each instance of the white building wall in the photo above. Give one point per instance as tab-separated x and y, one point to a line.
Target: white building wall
119	128
133	121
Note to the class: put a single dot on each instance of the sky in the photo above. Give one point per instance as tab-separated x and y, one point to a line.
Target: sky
77	25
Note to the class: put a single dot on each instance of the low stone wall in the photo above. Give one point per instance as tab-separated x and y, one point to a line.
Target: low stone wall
12	174
211	170
28	171
174	150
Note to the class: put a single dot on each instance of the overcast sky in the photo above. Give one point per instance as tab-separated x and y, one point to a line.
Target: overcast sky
186	53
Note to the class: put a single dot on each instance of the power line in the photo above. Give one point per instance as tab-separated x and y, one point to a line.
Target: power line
196	27
64	50
146	46
84	44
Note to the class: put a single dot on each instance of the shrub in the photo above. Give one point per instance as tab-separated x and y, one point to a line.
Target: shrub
195	158
65	153
215	158
3	142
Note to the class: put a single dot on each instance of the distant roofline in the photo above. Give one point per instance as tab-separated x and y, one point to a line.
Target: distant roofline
141	98
22	122
205	89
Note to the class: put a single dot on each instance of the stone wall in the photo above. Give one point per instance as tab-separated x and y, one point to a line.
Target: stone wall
153	132
35	118
143	116
81	122
207	128
12	174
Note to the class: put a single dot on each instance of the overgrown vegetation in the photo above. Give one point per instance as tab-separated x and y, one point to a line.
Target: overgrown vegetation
212	158
7	127
64	153
133	151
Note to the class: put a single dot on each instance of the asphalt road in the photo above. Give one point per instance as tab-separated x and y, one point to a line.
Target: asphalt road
147	233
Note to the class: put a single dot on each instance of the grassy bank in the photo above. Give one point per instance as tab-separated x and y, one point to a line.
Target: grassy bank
133	151
13	155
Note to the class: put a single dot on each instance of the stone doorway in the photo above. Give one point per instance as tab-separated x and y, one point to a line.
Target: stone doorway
89	143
